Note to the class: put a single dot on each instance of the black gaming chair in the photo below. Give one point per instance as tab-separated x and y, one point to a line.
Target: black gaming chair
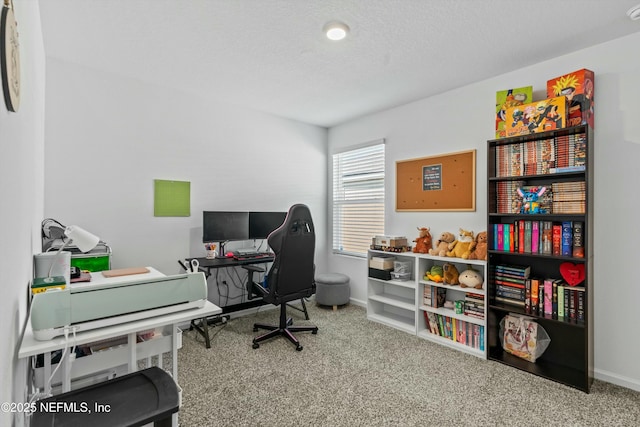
291	276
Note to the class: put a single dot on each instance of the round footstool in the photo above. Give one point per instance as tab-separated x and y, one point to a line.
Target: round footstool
332	289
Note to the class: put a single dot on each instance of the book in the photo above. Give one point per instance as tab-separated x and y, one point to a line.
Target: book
554	299
500	235
527	296
546	238
581	297
535	295
560	301
426	298
527	237
506	240
578	244
517	270
535	236
556	239
567	238
548	296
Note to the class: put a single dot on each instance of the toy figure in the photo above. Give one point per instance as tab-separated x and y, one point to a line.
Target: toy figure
423	242
530	198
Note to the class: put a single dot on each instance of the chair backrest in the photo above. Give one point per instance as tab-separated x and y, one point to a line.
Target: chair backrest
291	276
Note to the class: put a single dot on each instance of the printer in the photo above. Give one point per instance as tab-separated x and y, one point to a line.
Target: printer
109	301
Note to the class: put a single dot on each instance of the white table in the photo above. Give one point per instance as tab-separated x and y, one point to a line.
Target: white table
132	352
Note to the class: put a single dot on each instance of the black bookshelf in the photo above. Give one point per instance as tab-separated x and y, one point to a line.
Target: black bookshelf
569	357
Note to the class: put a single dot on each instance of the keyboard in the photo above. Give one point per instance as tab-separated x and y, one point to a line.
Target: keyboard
250	256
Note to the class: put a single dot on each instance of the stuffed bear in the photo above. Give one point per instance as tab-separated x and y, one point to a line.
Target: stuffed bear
460	248
423	243
479	248
434	274
470	279
442	245
450	274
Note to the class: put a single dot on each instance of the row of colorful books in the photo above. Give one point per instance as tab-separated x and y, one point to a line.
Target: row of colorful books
466	333
564	238
545	156
550	298
472	305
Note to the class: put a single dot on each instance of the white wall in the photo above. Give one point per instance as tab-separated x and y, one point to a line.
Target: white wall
462	119
109	137
21	193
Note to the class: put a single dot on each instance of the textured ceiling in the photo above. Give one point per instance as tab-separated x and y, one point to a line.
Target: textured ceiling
271	55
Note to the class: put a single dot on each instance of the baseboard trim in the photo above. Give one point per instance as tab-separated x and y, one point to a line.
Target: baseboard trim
616	379
358	302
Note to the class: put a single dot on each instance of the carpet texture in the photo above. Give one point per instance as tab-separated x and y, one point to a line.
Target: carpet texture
355	372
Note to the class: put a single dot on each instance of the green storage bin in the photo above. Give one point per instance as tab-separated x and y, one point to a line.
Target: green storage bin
92	263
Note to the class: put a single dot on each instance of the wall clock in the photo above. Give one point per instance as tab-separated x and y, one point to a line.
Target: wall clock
10	58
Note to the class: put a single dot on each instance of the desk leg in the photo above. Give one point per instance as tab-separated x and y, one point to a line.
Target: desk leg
47	372
66	372
133	363
174	367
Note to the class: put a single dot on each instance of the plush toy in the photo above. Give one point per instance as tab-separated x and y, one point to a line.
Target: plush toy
530	198
478	249
470	279
442	245
434	274
460	248
450	274
423	242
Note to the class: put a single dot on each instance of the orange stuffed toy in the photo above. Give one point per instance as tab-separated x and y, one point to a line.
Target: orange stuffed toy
423	243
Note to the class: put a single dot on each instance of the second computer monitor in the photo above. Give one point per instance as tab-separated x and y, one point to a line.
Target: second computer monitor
261	224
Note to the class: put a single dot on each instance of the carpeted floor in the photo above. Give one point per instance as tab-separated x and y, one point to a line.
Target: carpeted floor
359	373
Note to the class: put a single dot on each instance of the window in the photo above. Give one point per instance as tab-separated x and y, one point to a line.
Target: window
358	198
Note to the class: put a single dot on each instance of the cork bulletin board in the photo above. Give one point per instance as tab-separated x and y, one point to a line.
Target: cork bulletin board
446	182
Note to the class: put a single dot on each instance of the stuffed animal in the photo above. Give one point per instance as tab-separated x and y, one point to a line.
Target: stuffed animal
479	248
434	274
442	245
423	242
460	248
450	274
470	279
530	204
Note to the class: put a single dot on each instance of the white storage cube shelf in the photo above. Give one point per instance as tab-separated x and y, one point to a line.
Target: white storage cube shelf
399	303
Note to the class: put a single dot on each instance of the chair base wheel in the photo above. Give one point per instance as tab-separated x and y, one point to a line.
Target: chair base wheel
256	345
314	332
299	348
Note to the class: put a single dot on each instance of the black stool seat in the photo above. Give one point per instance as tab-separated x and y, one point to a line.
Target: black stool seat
136	399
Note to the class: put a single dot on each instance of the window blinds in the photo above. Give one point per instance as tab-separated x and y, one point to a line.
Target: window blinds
358	198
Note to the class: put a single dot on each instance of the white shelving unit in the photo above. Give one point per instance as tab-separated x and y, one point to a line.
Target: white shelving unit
399	303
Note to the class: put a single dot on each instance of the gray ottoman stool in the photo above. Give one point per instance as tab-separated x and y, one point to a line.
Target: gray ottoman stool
332	289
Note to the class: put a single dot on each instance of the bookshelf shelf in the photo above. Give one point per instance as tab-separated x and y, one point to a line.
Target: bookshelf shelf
525	162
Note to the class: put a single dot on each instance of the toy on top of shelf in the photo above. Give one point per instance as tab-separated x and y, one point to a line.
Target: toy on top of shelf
578	88
459	248
506	99
442	244
450	275
530	204
478	249
470	279
541	116
435	274
423	242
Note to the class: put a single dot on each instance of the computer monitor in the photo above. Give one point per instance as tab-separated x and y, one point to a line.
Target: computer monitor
261	224
221	226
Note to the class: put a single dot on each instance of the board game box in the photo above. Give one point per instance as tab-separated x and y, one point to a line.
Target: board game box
578	87
510	98
541	116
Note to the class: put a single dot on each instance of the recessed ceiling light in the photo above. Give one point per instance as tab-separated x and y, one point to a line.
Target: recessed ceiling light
634	13
336	30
